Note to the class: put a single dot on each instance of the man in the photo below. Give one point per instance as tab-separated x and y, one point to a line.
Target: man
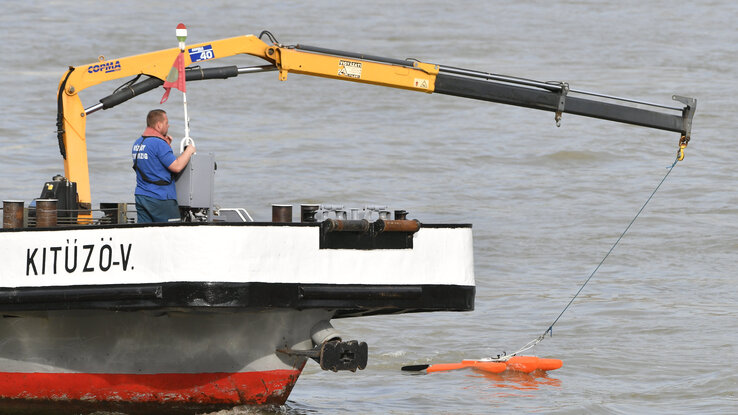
154	163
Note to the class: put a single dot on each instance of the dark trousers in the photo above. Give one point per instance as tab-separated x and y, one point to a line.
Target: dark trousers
151	210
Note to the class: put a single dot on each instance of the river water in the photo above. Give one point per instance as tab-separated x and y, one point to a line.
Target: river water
655	329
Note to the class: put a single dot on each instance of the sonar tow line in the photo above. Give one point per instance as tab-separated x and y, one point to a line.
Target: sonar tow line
528	364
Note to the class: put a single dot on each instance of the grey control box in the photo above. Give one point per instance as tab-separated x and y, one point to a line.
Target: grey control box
196	181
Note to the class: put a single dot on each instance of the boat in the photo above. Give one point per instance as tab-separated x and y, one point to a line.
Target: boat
102	313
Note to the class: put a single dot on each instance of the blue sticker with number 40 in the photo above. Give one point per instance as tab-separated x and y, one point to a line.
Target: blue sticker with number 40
201	53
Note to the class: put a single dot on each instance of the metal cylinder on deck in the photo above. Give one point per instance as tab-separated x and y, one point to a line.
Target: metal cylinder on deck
282	213
307	213
400	214
335	225
396	226
12	214
46	213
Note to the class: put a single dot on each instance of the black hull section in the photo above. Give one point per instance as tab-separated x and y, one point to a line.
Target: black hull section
345	300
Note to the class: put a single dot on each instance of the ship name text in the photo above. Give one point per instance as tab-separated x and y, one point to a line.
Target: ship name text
74	257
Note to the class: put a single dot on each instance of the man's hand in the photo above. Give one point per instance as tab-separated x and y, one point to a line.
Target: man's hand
184	158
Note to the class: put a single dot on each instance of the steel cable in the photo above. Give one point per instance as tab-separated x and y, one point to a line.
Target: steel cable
549	330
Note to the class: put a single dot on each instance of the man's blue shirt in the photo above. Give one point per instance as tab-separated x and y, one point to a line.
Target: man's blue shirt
154	158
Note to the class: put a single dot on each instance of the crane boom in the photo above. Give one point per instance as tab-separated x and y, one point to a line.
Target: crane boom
550	96
335	64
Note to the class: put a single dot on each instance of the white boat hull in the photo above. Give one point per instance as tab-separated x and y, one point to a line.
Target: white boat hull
174	316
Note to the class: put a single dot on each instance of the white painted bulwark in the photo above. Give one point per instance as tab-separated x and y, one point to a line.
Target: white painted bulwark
271	254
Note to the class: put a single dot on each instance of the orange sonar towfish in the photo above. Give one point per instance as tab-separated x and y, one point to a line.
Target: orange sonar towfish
525	364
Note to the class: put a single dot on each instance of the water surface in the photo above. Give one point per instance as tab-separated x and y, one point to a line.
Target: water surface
653	332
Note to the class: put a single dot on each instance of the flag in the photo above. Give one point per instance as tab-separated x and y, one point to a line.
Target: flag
176	77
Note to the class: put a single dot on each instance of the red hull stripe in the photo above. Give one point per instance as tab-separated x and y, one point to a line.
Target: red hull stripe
267	387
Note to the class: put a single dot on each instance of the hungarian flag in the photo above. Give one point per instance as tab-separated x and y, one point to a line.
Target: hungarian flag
176	77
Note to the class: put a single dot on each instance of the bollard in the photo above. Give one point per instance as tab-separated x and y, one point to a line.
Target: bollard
307	213
12	214
282	213
46	213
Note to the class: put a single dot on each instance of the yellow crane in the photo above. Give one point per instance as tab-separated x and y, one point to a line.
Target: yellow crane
335	64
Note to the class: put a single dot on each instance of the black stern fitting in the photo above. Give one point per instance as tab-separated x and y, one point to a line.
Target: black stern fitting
336	355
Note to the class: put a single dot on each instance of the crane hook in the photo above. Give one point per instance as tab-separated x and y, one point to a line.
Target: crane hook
683	141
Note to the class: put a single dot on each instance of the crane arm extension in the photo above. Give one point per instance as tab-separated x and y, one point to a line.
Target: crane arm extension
542	99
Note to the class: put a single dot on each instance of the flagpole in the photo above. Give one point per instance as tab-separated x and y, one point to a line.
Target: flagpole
182	36
186	117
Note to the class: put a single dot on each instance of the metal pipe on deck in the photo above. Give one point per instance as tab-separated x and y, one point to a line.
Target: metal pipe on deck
334	225
12	214
386	225
46	213
281	213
